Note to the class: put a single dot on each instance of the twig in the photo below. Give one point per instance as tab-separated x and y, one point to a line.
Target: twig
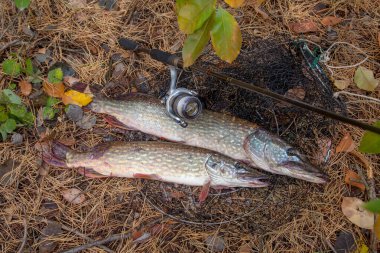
9	44
370	186
108	239
86	237
24	237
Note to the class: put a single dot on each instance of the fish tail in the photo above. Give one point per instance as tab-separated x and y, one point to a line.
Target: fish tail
54	153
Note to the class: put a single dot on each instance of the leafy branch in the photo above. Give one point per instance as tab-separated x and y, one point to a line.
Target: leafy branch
202	21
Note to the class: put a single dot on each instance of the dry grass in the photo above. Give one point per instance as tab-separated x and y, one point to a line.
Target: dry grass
295	217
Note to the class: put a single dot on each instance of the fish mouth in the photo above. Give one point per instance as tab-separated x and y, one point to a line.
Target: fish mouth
306	172
253	181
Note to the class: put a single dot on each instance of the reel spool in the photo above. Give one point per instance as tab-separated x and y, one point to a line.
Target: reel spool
181	104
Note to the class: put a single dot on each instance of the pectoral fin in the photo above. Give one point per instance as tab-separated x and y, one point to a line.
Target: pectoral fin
91	173
116	123
204	192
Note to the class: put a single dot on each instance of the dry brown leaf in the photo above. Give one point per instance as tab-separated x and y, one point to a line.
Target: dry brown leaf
341	84
54	90
67	141
353	209
331	20
346	144
245	248
74	196
177	194
70	80
377	227
25	87
353	179
42	50
303	26
296	93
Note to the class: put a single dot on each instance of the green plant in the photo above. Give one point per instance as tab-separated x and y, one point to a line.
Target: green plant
370	142
49	109
202	21
12	113
22	4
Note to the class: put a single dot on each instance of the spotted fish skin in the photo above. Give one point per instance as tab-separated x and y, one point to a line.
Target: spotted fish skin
237	138
164	161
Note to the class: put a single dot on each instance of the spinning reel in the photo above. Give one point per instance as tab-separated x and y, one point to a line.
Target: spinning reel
181	104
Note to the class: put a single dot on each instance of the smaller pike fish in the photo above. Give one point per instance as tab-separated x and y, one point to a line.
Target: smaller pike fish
163	161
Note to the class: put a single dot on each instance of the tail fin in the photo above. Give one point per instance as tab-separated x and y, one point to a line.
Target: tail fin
54	153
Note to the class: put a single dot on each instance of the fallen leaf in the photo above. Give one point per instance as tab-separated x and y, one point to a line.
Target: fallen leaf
324	144
373	206
74	196
140	236
215	243
346	144
76	98
67	141
321	8
74	112
296	93
42	50
331	20
353	179
365	79
353	209
159	229
303	26
245	248
377	227
54	90
69	80
16	139
77	3
25	87
234	3
363	248
6	172
51	229
341	84
370	142
345	242
87	122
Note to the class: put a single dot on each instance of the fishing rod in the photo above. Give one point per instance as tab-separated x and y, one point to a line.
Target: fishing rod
176	61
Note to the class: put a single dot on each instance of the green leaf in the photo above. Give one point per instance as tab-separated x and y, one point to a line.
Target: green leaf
34	79
29	70
12	86
179	4
370	142
48	113
226	36
3	133
3	116
11	67
9	126
28	118
195	43
18	111
373	206
193	14
11	97
52	101
22	4
365	79
55	75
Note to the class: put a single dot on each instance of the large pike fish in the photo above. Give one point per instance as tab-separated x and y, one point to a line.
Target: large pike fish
239	139
164	161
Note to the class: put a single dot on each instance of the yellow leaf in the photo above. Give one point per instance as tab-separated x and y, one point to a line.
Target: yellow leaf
341	84
234	3
76	98
54	90
365	79
226	36
363	248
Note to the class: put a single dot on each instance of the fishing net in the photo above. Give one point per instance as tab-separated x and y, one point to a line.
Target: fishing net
285	67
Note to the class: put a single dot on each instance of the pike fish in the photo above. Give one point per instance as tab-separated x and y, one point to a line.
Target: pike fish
163	161
231	136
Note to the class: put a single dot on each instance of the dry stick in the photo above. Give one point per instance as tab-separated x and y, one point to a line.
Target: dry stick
9	44
108	239
24	237
370	186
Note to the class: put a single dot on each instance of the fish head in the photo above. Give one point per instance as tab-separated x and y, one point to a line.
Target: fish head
273	154
96	105
228	173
